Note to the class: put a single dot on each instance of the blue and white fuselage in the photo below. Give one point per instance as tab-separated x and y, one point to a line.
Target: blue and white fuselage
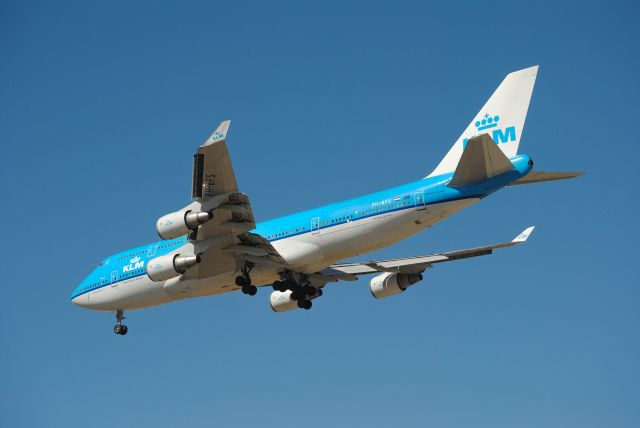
309	241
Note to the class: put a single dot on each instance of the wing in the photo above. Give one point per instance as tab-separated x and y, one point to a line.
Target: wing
212	170
224	241
215	188
350	271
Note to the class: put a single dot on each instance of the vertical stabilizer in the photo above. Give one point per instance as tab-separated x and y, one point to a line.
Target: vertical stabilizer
502	117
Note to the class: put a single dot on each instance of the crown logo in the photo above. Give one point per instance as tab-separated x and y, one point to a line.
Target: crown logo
487	122
134	260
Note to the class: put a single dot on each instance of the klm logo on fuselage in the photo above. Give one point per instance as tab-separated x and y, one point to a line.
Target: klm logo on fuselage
134	264
500	136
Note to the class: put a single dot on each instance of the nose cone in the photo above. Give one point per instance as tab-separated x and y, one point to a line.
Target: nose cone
80	297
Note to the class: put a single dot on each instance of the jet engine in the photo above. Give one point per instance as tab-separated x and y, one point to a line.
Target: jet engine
180	223
169	266
299	297
281	301
389	284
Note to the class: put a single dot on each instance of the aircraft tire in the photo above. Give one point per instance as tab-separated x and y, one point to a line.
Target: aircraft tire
280	286
304	304
297	294
251	290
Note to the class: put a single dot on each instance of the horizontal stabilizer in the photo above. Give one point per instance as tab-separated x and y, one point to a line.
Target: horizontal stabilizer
541	176
480	160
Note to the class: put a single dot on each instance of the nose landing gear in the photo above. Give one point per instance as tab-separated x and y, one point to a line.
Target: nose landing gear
120	328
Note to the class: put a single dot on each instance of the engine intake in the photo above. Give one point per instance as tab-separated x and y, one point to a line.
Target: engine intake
180	223
169	266
389	284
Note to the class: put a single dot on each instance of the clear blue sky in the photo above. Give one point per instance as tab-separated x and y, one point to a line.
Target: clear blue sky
103	103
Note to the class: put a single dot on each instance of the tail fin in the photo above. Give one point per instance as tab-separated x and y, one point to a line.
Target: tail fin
502	116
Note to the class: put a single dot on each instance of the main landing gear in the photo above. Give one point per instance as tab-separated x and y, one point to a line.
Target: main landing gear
244	280
120	328
301	290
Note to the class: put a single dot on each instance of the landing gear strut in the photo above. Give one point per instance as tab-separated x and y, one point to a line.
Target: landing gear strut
120	328
244	280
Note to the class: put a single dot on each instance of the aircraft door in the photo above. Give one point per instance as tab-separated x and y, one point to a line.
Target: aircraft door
315	225
418	197
151	251
114	278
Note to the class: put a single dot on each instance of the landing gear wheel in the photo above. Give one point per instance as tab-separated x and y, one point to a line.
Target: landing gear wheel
241	281
251	290
297	294
280	286
305	304
309	290
120	328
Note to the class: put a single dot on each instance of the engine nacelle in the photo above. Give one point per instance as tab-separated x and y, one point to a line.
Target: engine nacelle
389	284
169	266
281	301
180	223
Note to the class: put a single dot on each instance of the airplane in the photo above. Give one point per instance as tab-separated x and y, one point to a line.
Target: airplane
214	245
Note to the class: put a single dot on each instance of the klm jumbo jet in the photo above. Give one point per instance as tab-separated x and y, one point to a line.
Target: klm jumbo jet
214	245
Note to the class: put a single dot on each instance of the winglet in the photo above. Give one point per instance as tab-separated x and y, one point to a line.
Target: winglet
524	235
220	134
